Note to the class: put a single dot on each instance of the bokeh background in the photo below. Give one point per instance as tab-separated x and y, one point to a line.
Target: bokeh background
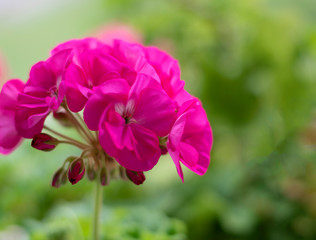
252	63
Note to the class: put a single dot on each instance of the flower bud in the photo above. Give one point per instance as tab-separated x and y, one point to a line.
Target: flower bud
59	178
163	149
61	115
44	142
136	177
76	171
122	172
162	145
104	177
91	173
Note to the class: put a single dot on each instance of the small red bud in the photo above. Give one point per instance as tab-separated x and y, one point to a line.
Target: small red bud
122	172
104	177
76	171
163	149
136	177
91	173
59	178
44	142
61	116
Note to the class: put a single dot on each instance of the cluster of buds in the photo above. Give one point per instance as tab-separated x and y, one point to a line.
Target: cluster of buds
126	101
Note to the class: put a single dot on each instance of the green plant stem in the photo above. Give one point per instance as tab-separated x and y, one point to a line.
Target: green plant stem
84	132
81	146
69	139
97	211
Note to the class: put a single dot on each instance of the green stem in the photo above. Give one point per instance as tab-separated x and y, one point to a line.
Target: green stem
82	131
81	146
69	139
97	210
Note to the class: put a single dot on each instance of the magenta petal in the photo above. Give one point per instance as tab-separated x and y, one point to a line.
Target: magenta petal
73	78
9	137
42	75
156	111
190	139
9	94
94	110
134	56
110	92
75	100
107	142
176	159
27	128
119	132
167	68
143	81
146	150
60	61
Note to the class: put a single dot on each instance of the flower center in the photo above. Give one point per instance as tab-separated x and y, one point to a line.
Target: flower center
127	111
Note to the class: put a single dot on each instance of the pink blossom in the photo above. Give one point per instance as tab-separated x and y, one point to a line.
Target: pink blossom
9	137
190	139
41	95
130	120
92	70
118	30
155	63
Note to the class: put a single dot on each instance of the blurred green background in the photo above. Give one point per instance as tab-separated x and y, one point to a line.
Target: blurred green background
252	63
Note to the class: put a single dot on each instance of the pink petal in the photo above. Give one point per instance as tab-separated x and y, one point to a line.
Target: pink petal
30	122
176	159
190	139
110	92
133	55
119	132
155	110
146	150
42	75
143	81
9	94
9	137
167	69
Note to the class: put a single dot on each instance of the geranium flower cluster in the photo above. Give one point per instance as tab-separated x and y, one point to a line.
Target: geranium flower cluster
126	100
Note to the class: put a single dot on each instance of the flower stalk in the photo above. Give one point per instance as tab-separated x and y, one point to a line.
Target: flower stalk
97	211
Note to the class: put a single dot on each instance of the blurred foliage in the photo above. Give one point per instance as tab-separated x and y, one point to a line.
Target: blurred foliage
72	223
253	64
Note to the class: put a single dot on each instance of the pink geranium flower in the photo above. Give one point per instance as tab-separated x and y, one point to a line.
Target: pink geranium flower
9	137
92	69
133	98
190	139
41	95
130	120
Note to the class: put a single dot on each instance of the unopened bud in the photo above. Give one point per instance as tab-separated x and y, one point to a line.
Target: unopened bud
104	177
61	115
162	145
76	171
91	173
163	149
136	177
44	142
59	178
122	173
